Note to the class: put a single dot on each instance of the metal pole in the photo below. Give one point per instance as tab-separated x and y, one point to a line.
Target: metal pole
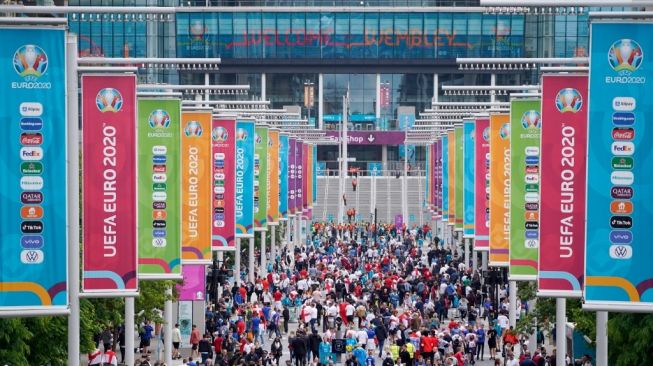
264	267
237	262
273	242
73	200
474	257
561	342
129	330
250	258
493	82
297	242
467	243
512	296
167	335
601	338
220	256
404	186
484	260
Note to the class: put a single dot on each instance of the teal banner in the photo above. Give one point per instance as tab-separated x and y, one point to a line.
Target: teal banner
468	178
283	177
244	179
33	200
445	178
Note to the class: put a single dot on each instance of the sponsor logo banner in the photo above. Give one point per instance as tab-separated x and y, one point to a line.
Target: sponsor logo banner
223	228
193	287
444	153
469	135
459	177
273	179
482	185
499	189
33	205
159	134
452	178
619	162
260	177
292	176
284	145
244	195
525	126
196	166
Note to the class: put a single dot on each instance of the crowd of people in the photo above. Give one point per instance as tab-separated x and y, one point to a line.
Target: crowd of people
363	295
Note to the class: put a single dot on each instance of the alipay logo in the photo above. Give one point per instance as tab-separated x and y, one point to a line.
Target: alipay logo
30	61
108	100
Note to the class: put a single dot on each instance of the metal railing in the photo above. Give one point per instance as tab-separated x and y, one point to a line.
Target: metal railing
329	3
369	173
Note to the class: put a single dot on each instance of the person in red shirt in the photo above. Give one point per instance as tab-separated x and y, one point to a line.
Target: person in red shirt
217	343
195	337
429	345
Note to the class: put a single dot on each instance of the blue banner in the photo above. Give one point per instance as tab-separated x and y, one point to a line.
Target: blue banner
618	274
407	149
321	169
445	178
468	178
244	179
375	168
33	201
283	176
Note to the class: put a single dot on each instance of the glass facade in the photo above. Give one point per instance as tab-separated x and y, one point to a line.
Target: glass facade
348	35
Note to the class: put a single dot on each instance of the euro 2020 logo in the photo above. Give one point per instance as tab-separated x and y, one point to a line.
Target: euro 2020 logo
258	139
220	134
159	119
531	119
625	56
30	61
193	129
486	134
504	131
241	134
108	100
569	100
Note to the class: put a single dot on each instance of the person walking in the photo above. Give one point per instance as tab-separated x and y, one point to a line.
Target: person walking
195	338
354	184
176	342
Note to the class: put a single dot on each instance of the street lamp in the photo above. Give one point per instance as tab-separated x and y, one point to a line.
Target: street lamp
309	97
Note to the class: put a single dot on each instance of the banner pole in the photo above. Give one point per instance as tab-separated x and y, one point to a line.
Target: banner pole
73	200
220	257
237	263
512	293
561	341
601	338
467	243
264	267
167	336
129	330
273	242
250	258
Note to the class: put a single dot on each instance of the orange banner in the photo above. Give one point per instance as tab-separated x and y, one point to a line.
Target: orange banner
499	189
452	178
195	187
273	177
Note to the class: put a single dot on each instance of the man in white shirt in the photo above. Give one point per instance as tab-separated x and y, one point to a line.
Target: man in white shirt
511	361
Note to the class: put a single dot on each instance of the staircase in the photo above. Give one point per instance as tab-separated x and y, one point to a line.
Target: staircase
388	198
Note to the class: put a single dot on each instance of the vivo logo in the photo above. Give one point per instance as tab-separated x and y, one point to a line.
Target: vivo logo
621	251
621	148
626	104
531	234
28	109
31	242
621	237
532	151
622	178
159	233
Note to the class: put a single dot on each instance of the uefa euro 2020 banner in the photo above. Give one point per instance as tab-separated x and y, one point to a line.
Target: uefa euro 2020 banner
468	178
452	178
159	194
109	184
499	189
562	184
458	180
196	169
244	179
273	177
193	287
283	176
445	178
299	176
525	125
618	272
482	185
292	177
33	202
260	178
223	137
438	178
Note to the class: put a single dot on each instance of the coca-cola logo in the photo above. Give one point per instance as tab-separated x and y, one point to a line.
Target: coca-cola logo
623	133
31	139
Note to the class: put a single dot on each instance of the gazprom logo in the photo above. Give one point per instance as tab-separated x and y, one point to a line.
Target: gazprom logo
30	61
108	100
625	56
569	100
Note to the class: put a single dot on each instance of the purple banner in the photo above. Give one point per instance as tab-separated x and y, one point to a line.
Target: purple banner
370	137
193	287
292	176
399	221
438	177
299	175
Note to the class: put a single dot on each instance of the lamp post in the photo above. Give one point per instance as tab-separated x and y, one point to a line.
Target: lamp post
309	97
